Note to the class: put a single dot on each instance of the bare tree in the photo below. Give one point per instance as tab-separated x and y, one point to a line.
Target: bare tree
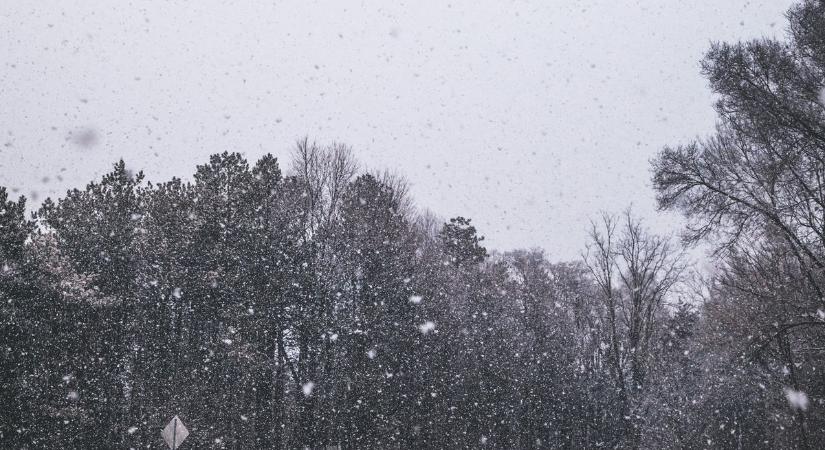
763	171
634	271
325	173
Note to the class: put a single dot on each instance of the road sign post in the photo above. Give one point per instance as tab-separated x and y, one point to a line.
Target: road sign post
174	433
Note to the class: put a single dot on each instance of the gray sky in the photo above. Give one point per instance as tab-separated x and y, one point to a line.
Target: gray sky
527	116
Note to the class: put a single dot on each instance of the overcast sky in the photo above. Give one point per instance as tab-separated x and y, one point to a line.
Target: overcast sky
527	116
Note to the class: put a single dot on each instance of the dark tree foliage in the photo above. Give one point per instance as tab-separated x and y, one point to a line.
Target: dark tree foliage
306	311
319	310
461	244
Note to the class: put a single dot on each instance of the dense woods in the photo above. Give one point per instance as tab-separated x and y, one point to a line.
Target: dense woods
313	304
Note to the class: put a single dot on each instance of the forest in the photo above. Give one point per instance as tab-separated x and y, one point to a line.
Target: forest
310	303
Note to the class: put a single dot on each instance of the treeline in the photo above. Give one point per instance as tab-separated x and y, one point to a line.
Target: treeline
320	308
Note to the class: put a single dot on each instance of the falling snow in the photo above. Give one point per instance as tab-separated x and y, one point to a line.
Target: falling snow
524	246
796	399
426	327
307	388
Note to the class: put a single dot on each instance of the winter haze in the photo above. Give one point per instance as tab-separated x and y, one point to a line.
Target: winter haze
242	225
529	117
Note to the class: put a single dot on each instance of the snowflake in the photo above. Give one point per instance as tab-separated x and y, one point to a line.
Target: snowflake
308	387
797	399
426	327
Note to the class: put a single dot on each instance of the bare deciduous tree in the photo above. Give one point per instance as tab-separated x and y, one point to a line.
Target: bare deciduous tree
634	271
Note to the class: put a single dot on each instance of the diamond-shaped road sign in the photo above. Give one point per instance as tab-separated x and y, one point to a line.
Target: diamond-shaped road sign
174	433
